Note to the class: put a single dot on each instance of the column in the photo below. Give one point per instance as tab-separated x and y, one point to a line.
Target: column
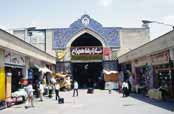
27	66
2	76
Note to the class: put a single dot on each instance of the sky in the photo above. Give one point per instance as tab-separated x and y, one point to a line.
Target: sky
110	13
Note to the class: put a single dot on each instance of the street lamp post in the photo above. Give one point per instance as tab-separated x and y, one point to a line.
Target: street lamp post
147	22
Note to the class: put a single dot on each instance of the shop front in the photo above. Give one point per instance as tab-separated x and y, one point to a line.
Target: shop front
163	72
155	71
14	70
143	79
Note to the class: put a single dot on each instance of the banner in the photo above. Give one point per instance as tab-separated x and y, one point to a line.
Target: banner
86	53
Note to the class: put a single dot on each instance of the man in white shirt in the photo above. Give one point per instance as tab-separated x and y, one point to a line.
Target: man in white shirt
41	90
125	89
30	98
76	86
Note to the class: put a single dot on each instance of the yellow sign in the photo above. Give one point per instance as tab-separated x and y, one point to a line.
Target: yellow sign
2	84
60	54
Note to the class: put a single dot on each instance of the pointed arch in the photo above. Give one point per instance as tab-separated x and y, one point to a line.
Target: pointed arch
94	34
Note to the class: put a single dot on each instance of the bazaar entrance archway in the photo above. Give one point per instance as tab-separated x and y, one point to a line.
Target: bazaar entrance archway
86	56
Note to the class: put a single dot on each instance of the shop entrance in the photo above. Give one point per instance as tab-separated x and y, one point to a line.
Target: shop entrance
16	77
87	63
88	74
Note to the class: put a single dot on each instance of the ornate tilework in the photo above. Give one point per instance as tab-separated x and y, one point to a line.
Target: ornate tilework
109	34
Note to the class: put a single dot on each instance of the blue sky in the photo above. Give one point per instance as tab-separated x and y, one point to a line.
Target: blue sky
61	13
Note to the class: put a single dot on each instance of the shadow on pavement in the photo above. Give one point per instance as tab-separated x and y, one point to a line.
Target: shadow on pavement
168	105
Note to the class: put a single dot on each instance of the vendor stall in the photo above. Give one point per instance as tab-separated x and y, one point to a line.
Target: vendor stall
111	79
64	80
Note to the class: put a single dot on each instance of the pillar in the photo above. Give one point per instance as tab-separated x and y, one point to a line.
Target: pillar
27	66
2	76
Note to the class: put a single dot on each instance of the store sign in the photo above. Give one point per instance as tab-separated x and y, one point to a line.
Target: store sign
30	74
60	55
106	51
86	53
13	58
141	61
160	58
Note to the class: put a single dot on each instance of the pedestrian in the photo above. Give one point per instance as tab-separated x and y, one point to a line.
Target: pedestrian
29	90
41	91
50	88
57	88
109	87
46	90
119	87
75	90
125	89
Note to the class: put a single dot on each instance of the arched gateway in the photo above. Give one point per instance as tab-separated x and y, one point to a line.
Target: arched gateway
85	49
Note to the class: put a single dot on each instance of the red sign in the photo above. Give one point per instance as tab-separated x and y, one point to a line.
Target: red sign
106	51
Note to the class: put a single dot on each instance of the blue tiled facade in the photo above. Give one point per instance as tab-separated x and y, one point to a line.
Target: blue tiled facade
62	36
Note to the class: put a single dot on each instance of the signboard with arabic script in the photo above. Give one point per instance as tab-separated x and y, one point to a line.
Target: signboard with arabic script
86	53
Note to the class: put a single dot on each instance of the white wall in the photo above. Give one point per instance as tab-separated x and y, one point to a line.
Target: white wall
131	38
49	42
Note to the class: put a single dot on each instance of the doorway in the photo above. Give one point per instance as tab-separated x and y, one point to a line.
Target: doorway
87	74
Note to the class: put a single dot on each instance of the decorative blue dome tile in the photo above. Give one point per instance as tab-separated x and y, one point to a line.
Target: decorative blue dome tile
63	35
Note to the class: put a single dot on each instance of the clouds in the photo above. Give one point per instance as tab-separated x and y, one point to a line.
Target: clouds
105	3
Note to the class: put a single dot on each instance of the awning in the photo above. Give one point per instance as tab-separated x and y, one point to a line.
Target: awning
37	66
14	65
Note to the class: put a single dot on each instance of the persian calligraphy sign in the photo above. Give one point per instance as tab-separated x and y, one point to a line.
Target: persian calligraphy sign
86	53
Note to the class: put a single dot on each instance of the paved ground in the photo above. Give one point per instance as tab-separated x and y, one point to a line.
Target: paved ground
100	102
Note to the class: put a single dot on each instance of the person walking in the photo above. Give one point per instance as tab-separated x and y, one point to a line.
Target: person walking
125	89
75	90
30	98
57	88
109	87
41	91
50	88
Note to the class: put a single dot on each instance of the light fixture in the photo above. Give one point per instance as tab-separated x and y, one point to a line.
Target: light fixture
147	22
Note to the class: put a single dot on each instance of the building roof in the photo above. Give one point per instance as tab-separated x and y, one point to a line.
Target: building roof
163	42
12	42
